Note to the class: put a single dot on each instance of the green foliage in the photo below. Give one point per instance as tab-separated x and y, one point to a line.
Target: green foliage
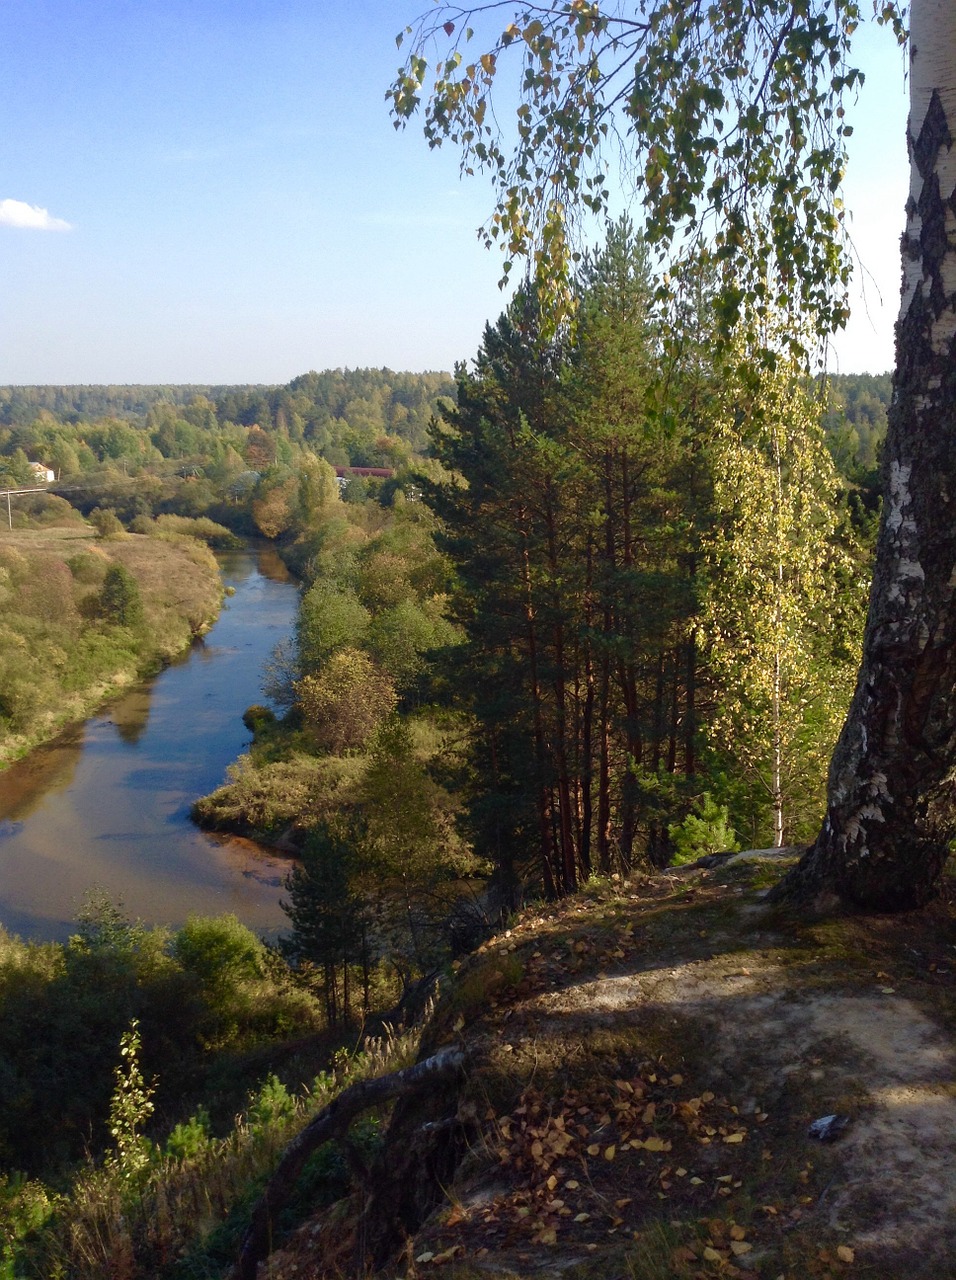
203	994
402	637
344	704
87	568
258	719
329	917
783	608
26	1206
189	1138
705	830
106	523
219	951
106	1225
120	601
130	1108
331	618
726	126
642	532
271	1104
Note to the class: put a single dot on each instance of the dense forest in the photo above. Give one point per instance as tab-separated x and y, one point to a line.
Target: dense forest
349	417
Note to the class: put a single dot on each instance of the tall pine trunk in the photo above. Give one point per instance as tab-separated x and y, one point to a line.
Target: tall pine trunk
890	814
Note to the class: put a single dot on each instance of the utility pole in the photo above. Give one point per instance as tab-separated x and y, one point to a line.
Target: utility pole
8	492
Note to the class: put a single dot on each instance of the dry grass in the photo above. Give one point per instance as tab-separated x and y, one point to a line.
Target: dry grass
59	663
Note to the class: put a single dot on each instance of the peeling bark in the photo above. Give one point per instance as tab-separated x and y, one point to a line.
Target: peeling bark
891	811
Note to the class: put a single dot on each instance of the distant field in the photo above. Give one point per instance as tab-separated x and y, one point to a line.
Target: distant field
64	649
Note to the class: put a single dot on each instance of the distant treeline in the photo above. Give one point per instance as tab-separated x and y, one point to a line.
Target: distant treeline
343	414
855	420
21	404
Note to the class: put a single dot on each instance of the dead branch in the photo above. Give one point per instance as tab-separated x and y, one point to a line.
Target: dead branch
332	1125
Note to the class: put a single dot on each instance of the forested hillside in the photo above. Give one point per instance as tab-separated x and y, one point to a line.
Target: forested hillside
596	612
362	417
855	419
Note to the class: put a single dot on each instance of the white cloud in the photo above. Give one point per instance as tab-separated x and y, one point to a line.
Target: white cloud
17	213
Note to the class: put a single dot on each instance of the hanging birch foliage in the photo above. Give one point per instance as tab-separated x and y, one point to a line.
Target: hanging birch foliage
725	119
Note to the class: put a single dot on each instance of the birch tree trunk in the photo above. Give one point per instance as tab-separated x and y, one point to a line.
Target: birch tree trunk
890	814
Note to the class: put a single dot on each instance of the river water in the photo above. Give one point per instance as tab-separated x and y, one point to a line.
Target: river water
106	805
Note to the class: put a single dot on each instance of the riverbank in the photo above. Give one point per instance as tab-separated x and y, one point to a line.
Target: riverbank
105	804
85	617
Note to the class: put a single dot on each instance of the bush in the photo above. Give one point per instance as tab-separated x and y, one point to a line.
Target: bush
106	523
219	951
120	601
344	705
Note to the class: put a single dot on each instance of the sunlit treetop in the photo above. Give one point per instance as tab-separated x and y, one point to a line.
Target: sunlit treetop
724	118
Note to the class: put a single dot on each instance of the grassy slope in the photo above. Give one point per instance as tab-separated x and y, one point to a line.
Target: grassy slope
49	644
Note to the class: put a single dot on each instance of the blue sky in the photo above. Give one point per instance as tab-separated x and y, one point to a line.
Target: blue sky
240	208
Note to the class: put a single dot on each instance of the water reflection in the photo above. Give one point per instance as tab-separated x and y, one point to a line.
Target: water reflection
107	804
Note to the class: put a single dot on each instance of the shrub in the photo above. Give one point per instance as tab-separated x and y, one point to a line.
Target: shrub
120	600
106	523
219	950
346	702
706	831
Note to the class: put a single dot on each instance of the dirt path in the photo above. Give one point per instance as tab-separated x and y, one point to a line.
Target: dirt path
649	1059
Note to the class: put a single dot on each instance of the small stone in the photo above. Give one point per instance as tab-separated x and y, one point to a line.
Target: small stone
828	1128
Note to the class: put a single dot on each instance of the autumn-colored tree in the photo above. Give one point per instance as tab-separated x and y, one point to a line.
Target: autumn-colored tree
783	603
346	701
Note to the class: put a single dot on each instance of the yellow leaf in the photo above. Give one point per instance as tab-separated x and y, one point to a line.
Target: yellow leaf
649	1113
734	1137
845	1253
448	1254
655	1144
712	1255
594	1149
738	1232
739	1247
610	1152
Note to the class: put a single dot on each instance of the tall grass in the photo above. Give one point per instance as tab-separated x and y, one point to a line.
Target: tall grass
180	1215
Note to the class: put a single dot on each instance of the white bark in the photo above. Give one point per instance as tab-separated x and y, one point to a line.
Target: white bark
932	70
892	796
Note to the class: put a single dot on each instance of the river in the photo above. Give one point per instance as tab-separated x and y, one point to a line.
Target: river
106	805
